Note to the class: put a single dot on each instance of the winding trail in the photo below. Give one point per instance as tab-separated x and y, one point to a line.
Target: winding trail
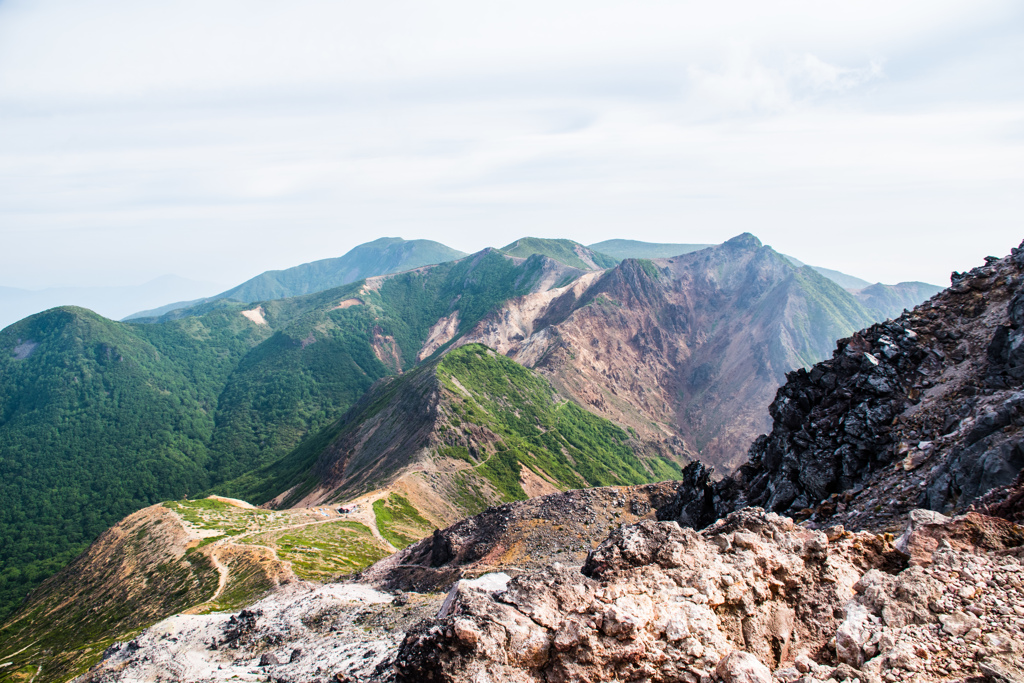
224	572
363	515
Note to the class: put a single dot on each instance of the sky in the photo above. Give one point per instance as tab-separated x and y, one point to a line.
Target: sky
216	139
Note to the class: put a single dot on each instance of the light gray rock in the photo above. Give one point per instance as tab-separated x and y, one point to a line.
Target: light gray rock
958	623
742	667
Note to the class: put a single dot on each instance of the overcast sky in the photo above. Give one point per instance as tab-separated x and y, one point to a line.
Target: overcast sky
215	139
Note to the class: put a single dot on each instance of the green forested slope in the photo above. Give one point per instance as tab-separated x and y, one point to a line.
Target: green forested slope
99	418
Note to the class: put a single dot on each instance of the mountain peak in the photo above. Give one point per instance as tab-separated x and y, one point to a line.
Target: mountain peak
743	241
564	251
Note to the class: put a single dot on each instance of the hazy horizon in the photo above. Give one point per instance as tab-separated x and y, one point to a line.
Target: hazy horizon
217	141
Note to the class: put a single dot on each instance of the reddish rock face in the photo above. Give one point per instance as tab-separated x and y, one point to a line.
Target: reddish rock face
688	351
751	599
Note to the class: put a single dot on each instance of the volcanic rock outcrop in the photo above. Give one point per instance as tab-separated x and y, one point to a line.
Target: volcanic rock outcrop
519	537
752	598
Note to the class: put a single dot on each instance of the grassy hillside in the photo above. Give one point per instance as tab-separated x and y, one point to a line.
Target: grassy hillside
494	418
564	251
197	555
537	429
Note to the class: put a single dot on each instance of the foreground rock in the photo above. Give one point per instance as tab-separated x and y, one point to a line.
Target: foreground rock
752	598
300	634
521	536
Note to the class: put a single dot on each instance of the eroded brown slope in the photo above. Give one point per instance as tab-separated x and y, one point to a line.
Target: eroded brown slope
688	351
134	574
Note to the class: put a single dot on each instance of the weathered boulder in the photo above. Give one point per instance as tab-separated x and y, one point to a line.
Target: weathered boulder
742	667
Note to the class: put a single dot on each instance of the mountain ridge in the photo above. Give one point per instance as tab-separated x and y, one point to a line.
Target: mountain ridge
471	420
382	256
850	439
221	393
641	343
570	253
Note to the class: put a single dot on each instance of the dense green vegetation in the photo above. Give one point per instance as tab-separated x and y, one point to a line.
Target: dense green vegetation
563	251
399	522
555	438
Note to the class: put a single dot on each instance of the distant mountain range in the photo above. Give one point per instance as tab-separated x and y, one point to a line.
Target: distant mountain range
379	257
393	254
624	249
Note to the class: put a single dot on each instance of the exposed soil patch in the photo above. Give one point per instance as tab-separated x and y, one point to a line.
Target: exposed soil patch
348	303
255	315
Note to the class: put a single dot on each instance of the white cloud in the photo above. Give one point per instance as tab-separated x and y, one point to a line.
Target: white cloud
820	75
198	137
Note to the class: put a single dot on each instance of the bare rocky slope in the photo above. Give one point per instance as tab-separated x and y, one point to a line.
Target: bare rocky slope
688	351
752	598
